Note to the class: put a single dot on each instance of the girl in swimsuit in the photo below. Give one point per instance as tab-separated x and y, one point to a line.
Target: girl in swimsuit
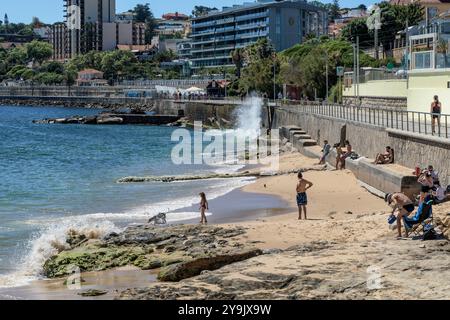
436	113
203	207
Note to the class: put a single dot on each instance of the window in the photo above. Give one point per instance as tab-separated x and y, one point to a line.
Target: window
422	60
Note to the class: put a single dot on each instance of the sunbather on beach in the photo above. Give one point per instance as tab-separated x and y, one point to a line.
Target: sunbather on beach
401	204
339	153
386	157
426	180
348	153
302	198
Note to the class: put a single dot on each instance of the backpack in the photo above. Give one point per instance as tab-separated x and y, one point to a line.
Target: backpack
354	156
429	233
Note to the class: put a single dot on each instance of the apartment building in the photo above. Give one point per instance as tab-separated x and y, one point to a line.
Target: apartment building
284	23
92	25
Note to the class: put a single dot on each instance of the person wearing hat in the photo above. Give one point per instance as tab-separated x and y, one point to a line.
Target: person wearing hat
402	204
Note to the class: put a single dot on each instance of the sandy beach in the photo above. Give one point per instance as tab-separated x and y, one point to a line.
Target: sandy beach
345	234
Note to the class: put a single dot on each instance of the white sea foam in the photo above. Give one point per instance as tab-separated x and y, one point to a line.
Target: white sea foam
52	237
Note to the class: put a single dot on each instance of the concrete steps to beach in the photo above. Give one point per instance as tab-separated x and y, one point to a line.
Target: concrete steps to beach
379	179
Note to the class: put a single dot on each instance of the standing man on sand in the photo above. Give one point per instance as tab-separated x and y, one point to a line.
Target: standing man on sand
402	204
302	198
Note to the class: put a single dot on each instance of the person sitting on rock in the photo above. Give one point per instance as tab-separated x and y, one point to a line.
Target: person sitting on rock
386	157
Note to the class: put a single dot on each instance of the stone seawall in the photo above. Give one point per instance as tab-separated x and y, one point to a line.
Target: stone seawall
82	102
411	150
210	113
217	113
387	102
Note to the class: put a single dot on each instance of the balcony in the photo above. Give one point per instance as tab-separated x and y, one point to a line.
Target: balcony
252	35
251	16
252	26
217	48
210	58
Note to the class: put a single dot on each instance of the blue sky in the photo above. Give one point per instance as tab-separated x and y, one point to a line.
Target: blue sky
51	11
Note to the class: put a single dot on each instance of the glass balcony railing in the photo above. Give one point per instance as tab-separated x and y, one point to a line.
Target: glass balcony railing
251	16
203	24
251	35
217	48
210	57
252	26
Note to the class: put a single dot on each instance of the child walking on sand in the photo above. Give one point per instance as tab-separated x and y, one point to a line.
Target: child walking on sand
203	207
302	198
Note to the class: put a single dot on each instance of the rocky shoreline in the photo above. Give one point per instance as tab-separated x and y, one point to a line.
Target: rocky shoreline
179	252
77	103
213	263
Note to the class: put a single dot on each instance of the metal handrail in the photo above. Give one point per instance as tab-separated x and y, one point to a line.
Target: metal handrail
411	121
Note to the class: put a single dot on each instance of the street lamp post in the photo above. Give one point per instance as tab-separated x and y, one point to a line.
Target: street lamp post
274	78
326	76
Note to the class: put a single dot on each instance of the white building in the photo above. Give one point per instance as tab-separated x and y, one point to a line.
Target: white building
92	25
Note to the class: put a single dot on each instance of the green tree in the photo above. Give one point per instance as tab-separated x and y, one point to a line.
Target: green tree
358	27
39	51
260	62
116	64
70	75
200	11
334	10
304	65
143	14
52	67
48	78
362	7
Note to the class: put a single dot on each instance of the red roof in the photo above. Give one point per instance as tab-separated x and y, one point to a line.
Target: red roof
175	16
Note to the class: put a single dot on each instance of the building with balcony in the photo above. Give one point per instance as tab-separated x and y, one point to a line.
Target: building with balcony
284	23
92	25
184	48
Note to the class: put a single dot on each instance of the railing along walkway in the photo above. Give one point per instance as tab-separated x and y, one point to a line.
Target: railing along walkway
411	121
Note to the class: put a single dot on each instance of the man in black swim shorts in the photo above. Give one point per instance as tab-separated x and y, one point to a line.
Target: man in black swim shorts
401	203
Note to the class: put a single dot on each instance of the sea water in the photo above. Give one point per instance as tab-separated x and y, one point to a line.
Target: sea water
54	178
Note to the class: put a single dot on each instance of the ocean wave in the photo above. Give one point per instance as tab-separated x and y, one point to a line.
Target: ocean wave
52	237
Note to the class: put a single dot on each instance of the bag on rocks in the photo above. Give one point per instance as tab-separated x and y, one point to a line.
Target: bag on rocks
429	233
354	156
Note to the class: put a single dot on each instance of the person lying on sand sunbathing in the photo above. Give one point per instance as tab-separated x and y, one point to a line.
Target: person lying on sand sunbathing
401	204
302	198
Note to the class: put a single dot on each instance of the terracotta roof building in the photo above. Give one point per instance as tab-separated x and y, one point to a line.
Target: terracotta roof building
175	16
91	78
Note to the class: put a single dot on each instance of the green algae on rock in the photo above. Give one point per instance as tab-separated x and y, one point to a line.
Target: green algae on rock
181	251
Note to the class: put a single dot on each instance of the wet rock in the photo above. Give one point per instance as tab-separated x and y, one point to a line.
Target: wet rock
192	268
92	293
150	247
